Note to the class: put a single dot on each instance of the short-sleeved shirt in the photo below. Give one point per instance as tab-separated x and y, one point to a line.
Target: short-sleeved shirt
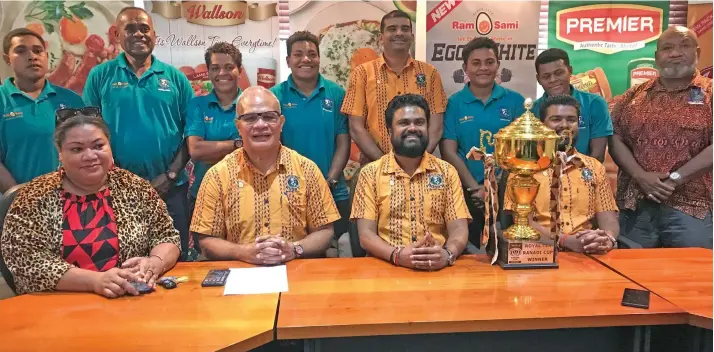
312	124
584	192
146	116
206	118
236	202
27	126
467	115
373	84
594	120
665	129
405	206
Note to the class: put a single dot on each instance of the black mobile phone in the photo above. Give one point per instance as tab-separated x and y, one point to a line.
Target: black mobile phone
216	277
636	298
142	287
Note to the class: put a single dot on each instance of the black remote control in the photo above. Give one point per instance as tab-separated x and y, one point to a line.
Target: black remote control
216	277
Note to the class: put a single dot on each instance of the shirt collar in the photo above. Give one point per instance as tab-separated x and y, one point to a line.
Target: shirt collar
213	99
244	162
574	92
392	167
496	93
156	65
383	63
697	81
293	87
47	90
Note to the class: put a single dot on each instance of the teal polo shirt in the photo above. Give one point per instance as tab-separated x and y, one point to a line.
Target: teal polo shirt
27	126
467	115
146	116
207	119
594	120
312	124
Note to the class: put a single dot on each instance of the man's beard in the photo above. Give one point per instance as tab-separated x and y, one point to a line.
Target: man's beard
676	72
413	150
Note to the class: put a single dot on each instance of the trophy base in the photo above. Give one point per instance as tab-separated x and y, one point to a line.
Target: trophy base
515	254
521	233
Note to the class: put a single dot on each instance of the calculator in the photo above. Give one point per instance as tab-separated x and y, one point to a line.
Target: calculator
216	277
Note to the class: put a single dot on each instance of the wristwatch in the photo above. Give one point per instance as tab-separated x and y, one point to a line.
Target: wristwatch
332	183
237	143
298	250
676	177
452	258
614	241
171	175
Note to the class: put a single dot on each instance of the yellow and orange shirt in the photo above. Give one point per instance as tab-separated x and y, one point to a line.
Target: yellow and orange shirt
238	203
584	192
373	85
403	206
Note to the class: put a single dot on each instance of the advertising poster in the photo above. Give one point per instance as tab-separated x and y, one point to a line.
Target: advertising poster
513	25
611	44
79	35
185	29
349	36
699	19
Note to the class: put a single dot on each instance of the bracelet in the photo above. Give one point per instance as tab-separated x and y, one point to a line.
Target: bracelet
396	256
391	256
154	255
561	242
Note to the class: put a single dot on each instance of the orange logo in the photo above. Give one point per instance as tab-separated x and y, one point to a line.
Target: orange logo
609	29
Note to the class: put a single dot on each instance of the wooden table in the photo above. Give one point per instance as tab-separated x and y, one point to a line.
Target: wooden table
188	317
682	276
366	296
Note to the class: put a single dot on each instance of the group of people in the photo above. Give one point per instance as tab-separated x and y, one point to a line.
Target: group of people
105	199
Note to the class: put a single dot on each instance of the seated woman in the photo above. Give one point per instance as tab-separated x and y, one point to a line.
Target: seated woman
90	226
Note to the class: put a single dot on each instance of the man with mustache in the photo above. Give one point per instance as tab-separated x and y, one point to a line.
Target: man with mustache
373	84
663	146
263	203
143	101
553	73
589	214
409	205
27	104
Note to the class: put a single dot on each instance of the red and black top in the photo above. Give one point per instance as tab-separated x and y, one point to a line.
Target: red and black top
89	231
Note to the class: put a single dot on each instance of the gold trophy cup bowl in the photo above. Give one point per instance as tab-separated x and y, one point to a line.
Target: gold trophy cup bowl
523	148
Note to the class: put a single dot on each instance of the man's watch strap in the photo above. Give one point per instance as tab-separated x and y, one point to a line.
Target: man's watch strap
451	257
614	241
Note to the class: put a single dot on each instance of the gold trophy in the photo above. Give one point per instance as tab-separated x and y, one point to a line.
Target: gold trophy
523	148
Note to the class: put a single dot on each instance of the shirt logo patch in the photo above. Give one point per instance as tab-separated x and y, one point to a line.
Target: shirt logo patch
587	174
505	114
581	122
466	119
164	85
327	105
207	119
13	114
289	105
420	80
120	84
436	181
696	96
292	183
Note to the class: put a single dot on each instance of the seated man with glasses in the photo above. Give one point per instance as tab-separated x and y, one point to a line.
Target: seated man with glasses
263	203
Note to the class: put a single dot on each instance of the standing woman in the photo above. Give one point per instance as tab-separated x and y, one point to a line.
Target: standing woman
90	226
210	128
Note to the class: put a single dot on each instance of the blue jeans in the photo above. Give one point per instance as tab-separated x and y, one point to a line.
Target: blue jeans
177	204
657	225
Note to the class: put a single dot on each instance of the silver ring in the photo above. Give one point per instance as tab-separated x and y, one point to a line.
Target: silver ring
649	195
429	262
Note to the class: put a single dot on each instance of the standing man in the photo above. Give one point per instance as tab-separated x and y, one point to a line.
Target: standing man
143	101
663	147
263	203
408	205
553	72
482	104
373	84
27	103
314	126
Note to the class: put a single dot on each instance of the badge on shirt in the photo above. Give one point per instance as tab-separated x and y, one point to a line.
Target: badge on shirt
61	106
466	119
164	85
12	115
505	114
581	122
436	181
292	183
208	119
120	84
587	175
327	105
421	80
696	96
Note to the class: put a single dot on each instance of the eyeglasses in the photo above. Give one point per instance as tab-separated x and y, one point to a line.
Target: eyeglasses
269	117
63	115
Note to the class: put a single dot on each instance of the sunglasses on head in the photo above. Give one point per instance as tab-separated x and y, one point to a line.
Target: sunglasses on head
63	115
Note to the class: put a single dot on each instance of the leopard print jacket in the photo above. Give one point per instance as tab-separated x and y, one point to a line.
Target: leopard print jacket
32	234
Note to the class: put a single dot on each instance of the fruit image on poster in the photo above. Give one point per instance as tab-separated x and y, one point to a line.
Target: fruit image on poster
349	36
79	35
611	44
699	19
185	29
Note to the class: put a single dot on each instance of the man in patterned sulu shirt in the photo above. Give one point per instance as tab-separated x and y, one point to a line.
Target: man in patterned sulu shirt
663	146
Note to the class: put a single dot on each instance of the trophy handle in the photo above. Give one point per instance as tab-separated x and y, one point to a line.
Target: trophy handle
569	135
489	139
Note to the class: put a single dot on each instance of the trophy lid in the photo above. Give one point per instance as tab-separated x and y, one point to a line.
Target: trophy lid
527	126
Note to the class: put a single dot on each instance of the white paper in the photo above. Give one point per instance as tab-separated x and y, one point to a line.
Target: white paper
250	281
